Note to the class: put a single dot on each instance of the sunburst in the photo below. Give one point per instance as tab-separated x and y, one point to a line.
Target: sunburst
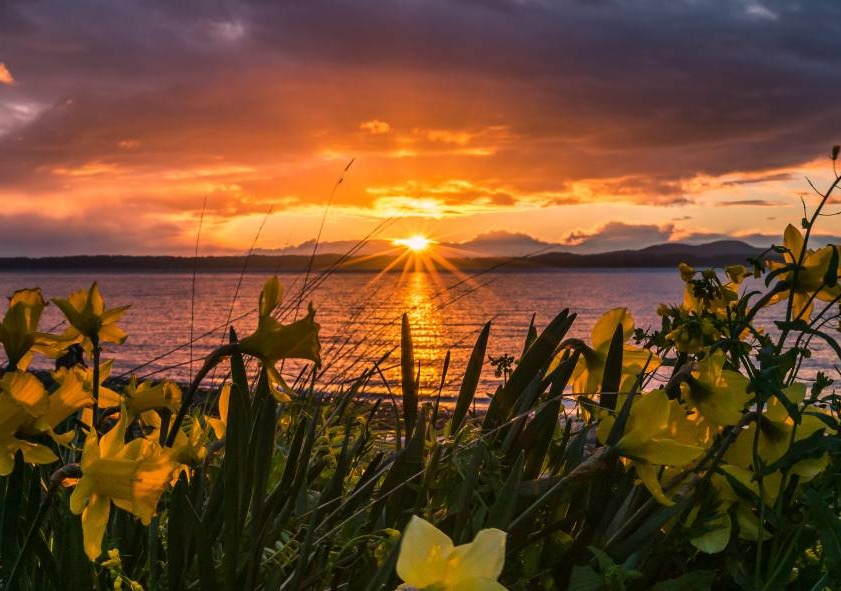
415	243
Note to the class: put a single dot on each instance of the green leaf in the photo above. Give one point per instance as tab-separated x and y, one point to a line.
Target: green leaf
813	446
531	366
531	336
467	489
234	467
407	376
830	278
828	524
204	553
178	533
584	578
612	377
502	511
467	390
699	580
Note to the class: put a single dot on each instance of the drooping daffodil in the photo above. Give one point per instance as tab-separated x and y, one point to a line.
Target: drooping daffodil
143	397
707	294
777	432
273	341
220	425
657	433
590	369
19	334
190	445
711	530
22	400
719	394
79	375
71	396
88	318
429	560
809	282
131	475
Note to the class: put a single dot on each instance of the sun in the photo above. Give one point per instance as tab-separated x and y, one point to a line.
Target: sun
416	243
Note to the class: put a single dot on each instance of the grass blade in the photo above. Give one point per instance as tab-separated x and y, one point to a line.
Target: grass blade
467	390
407	377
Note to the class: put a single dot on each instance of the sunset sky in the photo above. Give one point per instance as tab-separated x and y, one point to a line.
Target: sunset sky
622	123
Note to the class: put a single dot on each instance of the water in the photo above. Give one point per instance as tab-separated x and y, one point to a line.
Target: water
360	314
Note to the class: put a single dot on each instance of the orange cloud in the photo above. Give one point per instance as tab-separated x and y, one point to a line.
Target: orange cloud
6	75
375	127
87	169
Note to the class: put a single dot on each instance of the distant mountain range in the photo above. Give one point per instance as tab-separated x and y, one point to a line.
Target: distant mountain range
497	243
539	257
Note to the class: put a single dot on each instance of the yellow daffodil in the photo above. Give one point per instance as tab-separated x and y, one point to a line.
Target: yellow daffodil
88	318
694	334
809	282
708	294
734	509
777	431
132	475
590	369
658	433
719	394
687	273
71	396
710	531
429	560
190	446
84	376
146	396
19	329
220	425
273	341
23	400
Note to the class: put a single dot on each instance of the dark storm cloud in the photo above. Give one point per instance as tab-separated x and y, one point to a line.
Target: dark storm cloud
630	97
745	84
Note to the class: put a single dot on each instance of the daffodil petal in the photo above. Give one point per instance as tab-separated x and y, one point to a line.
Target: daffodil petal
111	333
80	496
606	325
483	558
94	522
35	453
424	550
648	475
667	452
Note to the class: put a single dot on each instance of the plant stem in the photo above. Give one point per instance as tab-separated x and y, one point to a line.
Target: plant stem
95	386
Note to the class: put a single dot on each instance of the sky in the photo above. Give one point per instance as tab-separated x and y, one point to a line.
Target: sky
620	123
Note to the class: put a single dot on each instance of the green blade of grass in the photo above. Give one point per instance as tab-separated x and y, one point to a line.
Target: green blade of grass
467	390
407	376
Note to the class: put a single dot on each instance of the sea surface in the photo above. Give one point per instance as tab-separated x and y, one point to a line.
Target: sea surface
360	316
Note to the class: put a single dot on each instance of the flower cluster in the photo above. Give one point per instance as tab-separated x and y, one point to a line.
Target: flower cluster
732	410
116	437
